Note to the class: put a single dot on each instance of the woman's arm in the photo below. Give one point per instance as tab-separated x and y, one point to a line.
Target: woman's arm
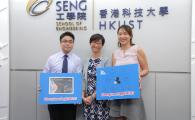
143	62
93	96
113	60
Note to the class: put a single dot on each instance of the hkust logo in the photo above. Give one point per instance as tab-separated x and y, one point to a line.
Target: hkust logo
38	7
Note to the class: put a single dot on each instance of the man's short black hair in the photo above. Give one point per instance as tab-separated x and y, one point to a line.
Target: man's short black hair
97	37
66	34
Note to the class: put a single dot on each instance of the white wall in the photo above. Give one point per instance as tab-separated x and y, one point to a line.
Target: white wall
166	41
160	37
4	60
193	63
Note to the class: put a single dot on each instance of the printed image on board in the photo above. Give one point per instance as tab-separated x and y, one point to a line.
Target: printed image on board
60	88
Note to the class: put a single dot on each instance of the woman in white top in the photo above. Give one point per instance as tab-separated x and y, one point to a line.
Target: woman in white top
128	53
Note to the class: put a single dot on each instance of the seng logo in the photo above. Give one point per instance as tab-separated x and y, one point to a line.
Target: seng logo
37	7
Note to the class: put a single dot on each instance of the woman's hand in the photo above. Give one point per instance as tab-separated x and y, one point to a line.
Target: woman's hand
87	100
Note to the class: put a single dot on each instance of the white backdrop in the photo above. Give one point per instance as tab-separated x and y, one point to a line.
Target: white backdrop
166	40
4	60
193	63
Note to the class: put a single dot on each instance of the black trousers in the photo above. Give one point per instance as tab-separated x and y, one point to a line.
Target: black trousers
62	111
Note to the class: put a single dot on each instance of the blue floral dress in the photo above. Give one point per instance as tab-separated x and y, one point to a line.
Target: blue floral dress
98	110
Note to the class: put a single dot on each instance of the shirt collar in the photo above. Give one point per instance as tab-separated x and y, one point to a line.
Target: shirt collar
62	54
101	57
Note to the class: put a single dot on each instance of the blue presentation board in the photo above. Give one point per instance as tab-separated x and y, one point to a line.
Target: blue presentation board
118	82
60	88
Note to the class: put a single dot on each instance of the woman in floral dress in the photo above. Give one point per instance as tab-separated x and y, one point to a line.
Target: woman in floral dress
94	109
